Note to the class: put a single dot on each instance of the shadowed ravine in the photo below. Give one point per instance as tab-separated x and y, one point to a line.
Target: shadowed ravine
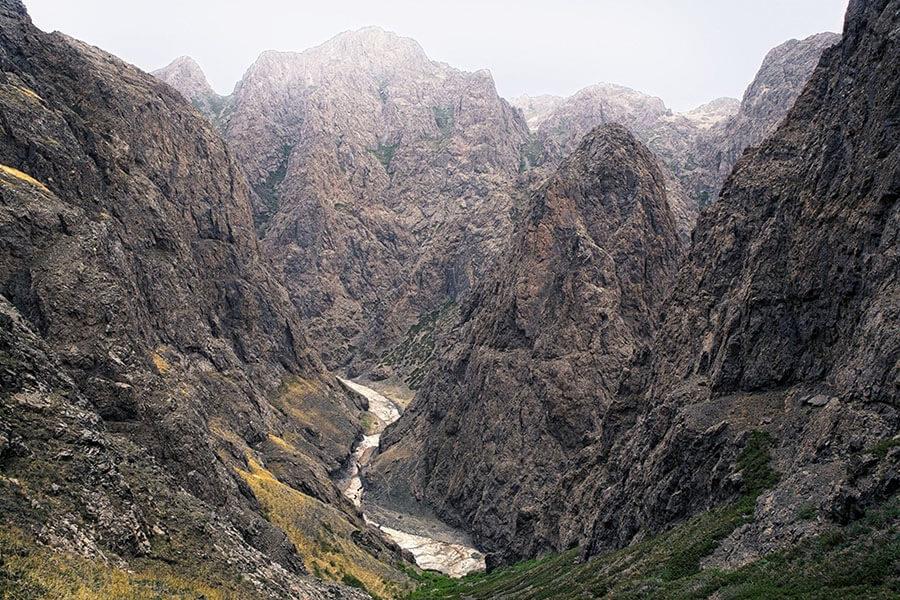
435	545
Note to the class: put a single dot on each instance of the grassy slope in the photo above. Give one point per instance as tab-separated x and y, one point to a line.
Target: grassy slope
30	572
861	560
323	537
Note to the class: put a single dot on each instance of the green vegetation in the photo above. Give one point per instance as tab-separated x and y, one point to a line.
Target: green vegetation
882	448
532	154
807	512
857	561
385	153
445	119
704	199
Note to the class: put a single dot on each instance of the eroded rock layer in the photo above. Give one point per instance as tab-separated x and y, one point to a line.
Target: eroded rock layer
781	326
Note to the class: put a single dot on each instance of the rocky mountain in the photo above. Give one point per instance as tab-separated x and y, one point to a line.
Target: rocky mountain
766	404
383	182
697	148
186	76
527	377
711	114
161	409
564	122
782	323
780	79
536	108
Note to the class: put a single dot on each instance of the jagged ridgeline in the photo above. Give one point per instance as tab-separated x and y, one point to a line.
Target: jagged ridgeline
751	450
382	183
165	429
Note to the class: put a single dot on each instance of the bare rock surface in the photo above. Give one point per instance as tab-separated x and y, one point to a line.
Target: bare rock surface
789	293
781	323
697	148
524	381
130	264
186	76
383	182
767	100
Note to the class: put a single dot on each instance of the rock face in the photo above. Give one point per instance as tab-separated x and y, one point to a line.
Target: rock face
186	76
536	108
782	325
767	100
533	367
783	320
562	123
383	182
697	148
151	349
713	113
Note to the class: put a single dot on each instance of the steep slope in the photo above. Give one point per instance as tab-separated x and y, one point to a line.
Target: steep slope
383	181
767	404
783	322
174	364
536	108
670	136
531	371
186	76
779	81
697	148
707	116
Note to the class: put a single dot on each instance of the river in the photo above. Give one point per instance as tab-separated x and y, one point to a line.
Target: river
434	545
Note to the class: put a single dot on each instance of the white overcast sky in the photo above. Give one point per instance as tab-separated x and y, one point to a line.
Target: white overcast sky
685	51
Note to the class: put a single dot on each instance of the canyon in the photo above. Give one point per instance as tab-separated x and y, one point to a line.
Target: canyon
364	328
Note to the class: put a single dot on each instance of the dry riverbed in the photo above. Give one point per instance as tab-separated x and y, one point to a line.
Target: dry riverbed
434	544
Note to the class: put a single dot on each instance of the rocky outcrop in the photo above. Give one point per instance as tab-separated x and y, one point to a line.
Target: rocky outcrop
150	346
186	76
697	148
383	182
781	322
767	100
781	326
707	116
519	388
562	123
536	108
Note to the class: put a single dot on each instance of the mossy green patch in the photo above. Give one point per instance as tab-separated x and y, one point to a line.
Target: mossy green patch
857	561
385	153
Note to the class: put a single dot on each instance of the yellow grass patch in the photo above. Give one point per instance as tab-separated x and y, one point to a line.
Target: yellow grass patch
322	535
28	92
30	571
303	400
21	176
160	362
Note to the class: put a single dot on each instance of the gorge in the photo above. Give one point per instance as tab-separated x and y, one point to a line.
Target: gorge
364	328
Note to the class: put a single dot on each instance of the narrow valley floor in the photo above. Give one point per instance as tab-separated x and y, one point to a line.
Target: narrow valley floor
435	545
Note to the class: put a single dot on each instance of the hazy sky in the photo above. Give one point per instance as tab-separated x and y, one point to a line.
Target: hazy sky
686	52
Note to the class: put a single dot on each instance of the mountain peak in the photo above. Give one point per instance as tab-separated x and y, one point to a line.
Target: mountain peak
186	76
